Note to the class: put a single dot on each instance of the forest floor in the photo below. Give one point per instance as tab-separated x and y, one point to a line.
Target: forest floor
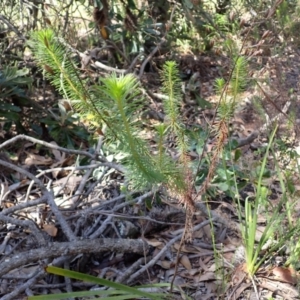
146	226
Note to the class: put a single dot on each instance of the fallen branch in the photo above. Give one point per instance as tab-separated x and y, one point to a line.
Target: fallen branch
73	248
94	156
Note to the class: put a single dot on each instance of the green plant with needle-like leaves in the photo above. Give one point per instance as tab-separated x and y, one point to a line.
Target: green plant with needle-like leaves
173	125
114	103
171	87
272	238
239	79
118	101
54	58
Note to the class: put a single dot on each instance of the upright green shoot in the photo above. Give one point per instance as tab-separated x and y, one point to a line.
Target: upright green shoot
115	102
171	87
249	225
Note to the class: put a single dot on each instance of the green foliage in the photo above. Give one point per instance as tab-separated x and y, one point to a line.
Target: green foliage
62	127
229	91
283	13
54	58
294	246
227	176
13	80
65	127
115	102
219	85
221	23
9	112
239	78
12	84
171	87
119	102
254	259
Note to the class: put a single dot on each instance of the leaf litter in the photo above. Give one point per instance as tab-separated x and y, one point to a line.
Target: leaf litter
206	270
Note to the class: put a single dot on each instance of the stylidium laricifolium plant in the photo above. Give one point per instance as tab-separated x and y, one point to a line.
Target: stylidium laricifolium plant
171	87
115	102
228	92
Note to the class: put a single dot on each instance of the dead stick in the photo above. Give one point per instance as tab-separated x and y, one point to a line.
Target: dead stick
72	248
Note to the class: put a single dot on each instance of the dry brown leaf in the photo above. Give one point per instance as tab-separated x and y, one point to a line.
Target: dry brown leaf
19	196
165	264
234	242
207	259
204	295
186	248
55	173
62	163
38	160
50	229
288	275
259	232
4	189
70	160
8	204
212	286
179	281
68	182
198	234
212	268
207	276
27	145
203	265
184	260
59	156
24	271
193	272
241	288
155	243
281	288
207	231
238	274
229	255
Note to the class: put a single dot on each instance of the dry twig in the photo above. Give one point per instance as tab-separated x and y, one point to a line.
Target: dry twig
72	248
50	199
154	260
95	156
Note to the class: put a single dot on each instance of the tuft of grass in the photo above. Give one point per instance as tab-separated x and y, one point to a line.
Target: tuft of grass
273	236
